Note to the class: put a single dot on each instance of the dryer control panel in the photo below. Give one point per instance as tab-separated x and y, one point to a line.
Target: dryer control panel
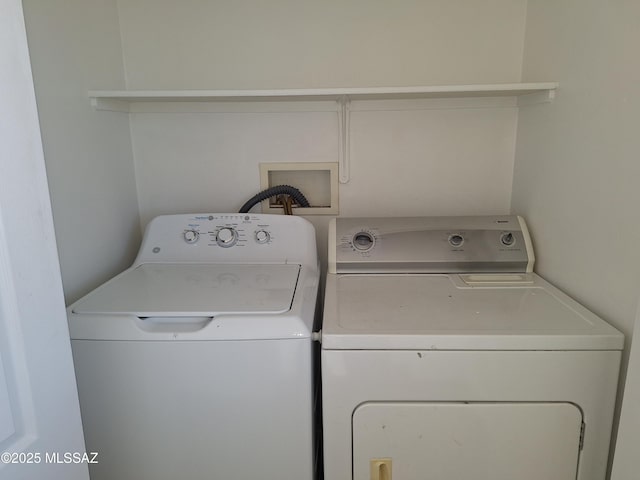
430	245
229	238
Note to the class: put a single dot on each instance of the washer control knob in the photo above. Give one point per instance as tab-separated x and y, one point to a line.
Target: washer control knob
227	237
191	236
262	236
363	241
507	239
456	240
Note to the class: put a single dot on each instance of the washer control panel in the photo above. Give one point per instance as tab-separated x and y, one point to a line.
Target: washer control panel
430	245
237	237
226	230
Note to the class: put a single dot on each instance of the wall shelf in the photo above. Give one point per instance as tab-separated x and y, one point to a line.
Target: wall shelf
120	99
126	100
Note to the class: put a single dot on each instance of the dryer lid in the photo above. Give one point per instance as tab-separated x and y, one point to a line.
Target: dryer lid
175	290
445	312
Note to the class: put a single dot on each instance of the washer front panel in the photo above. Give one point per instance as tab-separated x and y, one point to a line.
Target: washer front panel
190	410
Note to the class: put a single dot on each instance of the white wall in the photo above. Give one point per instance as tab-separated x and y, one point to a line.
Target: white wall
577	170
208	162
193	44
447	158
430	157
576	167
436	160
74	47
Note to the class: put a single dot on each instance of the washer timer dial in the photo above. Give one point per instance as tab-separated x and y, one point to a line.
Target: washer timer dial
227	237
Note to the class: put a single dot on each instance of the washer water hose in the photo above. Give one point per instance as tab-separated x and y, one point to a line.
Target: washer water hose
272	192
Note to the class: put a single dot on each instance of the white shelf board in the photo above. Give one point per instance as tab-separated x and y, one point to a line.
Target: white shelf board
120	99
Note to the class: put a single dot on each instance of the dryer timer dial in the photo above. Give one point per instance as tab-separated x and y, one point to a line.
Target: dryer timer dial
456	240
363	241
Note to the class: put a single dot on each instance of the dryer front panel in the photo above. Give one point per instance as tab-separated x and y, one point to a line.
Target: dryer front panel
458	440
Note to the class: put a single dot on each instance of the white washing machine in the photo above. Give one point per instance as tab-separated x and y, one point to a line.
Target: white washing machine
445	357
196	362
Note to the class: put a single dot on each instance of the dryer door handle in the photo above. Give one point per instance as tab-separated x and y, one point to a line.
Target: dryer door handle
380	469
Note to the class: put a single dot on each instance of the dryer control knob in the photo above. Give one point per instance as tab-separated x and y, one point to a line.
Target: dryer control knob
191	236
227	237
507	239
456	240
363	241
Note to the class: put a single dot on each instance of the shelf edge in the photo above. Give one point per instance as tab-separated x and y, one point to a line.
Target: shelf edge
506	89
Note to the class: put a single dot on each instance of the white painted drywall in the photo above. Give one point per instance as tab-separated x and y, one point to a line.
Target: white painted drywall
576	165
576	168
201	162
433	161
450	158
433	157
75	46
193	44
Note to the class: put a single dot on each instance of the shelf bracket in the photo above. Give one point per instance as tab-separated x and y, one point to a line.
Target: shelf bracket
110	105
344	121
545	96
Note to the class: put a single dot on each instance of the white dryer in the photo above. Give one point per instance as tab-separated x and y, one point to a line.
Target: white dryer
196	362
445	357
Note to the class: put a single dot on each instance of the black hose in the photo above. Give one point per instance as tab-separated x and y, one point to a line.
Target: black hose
272	192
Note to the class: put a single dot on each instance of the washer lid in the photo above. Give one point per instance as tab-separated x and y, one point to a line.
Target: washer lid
437	312
177	290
